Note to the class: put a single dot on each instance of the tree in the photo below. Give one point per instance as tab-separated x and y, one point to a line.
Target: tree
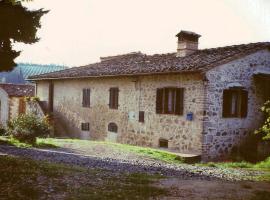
265	129
17	24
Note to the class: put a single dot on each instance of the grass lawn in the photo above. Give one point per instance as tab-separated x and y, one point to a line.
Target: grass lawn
28	179
79	144
260	166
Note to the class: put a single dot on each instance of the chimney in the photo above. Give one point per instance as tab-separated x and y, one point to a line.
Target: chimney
188	43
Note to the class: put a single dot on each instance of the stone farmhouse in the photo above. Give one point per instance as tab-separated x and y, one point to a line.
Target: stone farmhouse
195	101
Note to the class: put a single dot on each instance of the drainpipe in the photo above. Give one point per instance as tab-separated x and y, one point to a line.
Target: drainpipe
205	84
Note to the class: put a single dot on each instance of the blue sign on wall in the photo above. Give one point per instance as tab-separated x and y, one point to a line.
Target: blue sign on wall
190	116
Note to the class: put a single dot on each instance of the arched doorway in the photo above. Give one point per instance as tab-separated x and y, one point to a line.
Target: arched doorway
112	132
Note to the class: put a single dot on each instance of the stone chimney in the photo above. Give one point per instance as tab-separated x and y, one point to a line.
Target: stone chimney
188	43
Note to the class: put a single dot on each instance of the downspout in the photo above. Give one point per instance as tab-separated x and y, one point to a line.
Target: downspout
205	84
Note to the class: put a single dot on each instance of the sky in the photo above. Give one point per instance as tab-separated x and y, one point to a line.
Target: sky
75	34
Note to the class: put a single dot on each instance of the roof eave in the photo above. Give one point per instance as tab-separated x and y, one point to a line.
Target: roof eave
118	75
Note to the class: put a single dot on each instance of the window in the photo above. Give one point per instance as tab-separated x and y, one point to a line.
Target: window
86	97
141	116
85	127
112	127
163	143
235	103
114	93
170	101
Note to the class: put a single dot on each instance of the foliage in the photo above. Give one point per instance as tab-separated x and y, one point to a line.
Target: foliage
40	143
265	129
259	165
263	164
17	24
27	98
27	127
2	130
35	98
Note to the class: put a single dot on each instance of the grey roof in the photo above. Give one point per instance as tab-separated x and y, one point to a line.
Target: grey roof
139	64
18	90
20	73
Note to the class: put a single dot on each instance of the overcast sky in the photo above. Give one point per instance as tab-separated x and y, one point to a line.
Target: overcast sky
78	32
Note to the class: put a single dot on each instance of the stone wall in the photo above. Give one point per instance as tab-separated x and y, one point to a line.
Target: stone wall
13	107
136	94
4	107
221	134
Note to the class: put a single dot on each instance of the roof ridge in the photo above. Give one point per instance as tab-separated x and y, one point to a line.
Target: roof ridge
157	63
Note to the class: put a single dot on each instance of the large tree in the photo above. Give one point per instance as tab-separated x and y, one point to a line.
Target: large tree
17	24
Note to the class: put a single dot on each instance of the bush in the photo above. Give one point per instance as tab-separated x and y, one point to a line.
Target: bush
265	129
27	127
35	98
2	130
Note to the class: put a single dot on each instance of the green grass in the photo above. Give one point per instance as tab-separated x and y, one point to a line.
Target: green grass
144	151
76	143
265	165
29	179
41	143
150	152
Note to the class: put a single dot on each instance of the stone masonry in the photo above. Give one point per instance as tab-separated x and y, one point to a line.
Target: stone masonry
208	134
221	134
135	94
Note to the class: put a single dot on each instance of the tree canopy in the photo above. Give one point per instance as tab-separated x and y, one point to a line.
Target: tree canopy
17	24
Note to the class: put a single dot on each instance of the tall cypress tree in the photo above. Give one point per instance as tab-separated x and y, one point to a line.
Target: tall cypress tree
17	24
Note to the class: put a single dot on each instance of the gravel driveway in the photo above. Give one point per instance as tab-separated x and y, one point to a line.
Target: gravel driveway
131	163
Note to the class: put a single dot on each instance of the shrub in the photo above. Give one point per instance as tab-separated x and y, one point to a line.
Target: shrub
265	129
27	127
35	98
2	130
27	99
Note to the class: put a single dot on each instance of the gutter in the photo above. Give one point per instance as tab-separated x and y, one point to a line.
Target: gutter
119	75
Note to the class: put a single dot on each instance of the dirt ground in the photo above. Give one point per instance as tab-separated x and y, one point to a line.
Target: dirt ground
214	190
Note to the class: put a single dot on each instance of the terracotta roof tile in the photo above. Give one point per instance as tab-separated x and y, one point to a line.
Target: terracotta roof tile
138	63
18	90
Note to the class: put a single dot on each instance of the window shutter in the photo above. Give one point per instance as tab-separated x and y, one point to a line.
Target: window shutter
166	100
110	98
244	103
141	116
159	101
116	98
88	97
83	98
113	101
226	103
179	108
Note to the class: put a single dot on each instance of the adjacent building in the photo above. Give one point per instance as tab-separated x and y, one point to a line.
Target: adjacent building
12	100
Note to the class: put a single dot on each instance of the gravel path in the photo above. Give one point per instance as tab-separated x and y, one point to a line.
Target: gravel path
183	171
